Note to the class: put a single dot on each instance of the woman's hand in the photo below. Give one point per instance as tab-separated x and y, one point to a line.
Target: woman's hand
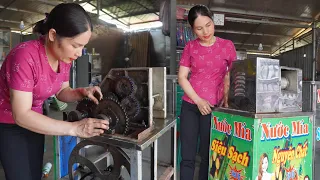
90	91
204	106
89	127
224	102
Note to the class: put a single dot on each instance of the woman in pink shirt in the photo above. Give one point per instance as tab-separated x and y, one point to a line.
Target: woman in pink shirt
207	59
32	72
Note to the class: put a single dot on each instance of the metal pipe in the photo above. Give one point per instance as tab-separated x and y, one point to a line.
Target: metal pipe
173	32
254	21
314	48
248	33
98	7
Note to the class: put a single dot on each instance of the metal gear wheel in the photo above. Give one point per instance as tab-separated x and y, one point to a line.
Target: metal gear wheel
124	86
111	95
131	106
86	108
112	110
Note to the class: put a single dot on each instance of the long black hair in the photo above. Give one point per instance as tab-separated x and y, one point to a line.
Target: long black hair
68	20
197	10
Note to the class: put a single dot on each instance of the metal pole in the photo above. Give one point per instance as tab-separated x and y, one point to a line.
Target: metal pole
314	43
173	32
314	66
98	8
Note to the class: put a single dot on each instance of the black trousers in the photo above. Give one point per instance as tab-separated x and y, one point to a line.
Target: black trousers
21	152
192	123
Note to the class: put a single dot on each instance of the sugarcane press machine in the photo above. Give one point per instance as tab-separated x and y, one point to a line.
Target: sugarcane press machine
263	134
134	103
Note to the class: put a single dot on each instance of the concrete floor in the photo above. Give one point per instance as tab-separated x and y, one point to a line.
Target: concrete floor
49	153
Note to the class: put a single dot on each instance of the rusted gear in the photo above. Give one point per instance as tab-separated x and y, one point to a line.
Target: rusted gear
112	110
124	86
84	109
131	106
111	95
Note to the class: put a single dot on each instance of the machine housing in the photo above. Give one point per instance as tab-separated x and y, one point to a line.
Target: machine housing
261	85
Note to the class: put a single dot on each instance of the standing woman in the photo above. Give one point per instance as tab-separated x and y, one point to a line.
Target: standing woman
207	59
32	72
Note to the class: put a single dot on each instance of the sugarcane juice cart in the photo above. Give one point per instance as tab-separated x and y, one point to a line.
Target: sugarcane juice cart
263	134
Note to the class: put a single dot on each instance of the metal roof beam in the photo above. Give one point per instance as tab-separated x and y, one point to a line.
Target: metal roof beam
249	44
144	7
150	11
20	10
51	3
10	21
248	33
254	21
259	14
114	3
111	15
254	13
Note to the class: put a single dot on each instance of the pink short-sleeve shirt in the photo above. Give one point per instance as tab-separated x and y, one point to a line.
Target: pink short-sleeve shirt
26	68
208	66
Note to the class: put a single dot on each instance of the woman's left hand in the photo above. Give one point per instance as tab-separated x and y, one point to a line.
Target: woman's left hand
224	102
90	91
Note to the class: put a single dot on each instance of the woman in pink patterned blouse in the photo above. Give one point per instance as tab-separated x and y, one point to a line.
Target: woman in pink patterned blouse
32	72
207	59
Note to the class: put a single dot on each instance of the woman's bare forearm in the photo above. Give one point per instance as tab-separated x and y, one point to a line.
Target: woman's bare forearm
70	95
226	86
188	89
41	124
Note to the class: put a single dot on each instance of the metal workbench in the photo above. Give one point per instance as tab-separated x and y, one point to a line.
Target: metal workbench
135	148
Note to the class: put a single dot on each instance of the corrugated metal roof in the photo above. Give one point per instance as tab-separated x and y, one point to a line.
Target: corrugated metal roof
130	12
270	22
31	11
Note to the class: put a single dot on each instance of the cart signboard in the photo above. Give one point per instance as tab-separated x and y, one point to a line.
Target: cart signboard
231	148
244	148
284	148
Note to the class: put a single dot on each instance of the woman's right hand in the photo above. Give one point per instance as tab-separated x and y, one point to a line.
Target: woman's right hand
89	127
203	106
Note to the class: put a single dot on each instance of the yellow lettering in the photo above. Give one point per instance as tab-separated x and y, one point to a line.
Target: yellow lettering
245	159
217	147
301	152
239	158
230	152
283	155
219	150
223	151
235	155
213	144
298	151
275	156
